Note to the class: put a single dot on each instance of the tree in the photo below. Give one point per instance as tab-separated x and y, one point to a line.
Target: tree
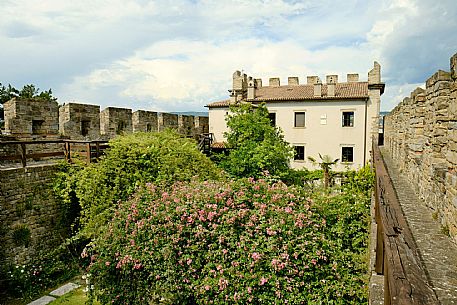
27	92
325	164
255	145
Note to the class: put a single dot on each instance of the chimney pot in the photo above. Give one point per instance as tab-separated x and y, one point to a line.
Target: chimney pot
332	79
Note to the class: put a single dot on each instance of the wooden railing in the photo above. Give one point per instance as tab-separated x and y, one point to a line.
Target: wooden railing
87	150
397	258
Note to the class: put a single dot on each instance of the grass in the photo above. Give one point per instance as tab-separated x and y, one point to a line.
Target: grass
76	297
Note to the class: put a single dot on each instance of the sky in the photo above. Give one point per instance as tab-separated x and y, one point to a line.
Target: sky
180	55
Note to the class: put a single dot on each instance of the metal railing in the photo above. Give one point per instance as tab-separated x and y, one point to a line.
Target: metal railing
397	257
89	151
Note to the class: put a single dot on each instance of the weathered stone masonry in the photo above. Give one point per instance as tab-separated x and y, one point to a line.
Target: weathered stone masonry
37	119
421	135
27	203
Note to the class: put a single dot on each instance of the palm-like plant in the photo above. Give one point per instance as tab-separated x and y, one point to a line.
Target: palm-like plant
325	164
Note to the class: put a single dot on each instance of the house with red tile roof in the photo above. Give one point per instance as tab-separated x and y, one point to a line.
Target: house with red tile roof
339	119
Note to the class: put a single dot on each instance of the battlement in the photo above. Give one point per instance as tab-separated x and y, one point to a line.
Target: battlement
244	86
37	119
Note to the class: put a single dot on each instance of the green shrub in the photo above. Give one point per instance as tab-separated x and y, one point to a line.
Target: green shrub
132	160
46	270
238	242
21	235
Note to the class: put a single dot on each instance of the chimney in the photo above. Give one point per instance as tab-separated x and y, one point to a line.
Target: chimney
258	83
317	88
331	90
332	79
274	82
374	76
311	80
251	89
292	81
352	77
237	81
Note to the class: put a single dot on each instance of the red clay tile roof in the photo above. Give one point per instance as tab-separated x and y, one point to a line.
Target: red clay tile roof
218	145
306	92
224	103
354	90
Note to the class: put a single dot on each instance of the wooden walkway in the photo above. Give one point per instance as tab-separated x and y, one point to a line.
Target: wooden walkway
437	253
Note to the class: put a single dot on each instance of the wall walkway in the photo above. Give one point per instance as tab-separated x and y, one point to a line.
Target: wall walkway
437	252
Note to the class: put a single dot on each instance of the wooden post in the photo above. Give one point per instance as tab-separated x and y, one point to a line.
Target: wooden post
88	153
23	155
97	149
67	152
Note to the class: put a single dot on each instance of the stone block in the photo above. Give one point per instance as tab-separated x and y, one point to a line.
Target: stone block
451	156
440	75
64	289
453	66
43	300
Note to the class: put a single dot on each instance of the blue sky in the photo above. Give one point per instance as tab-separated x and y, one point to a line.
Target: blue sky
180	55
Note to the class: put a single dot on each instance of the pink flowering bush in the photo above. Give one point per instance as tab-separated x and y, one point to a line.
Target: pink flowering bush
238	242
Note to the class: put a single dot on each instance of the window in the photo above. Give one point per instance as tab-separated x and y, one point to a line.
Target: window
347	154
348	119
37	126
120	127
272	117
299	119
85	125
299	153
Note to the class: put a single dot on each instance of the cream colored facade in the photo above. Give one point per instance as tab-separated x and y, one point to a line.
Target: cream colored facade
340	119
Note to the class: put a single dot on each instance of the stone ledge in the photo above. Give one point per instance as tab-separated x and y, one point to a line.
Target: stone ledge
43	300
64	289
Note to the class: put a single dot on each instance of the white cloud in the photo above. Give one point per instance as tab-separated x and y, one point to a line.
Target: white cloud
180	54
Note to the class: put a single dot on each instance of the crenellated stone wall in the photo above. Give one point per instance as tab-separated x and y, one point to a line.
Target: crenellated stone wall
31	118
145	121
38	119
114	121
186	125
79	121
421	135
167	120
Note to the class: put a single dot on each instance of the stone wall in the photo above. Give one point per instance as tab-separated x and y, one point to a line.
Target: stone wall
145	121
167	120
201	124
28	208
114	121
79	121
86	122
186	125
31	118
421	135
